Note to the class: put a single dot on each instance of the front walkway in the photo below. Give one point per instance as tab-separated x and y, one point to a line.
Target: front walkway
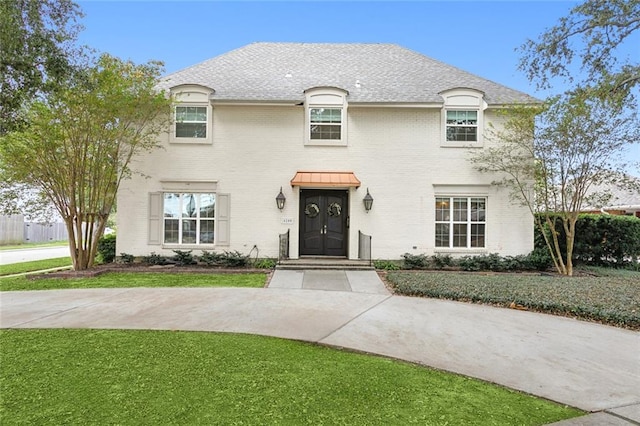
586	365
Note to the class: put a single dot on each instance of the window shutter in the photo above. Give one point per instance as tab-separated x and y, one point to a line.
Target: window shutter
155	218
223	205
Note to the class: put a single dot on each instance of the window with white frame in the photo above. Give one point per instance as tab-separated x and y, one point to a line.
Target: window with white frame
462	125
189	218
326	116
325	123
191	122
460	222
462	118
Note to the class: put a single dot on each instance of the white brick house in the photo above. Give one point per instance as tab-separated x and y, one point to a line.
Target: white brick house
326	123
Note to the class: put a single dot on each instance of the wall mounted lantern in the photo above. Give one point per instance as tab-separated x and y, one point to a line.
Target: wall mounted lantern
368	201
280	200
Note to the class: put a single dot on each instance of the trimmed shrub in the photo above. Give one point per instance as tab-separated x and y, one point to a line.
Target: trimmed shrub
266	263
230	259
107	248
127	258
155	259
602	240
415	261
387	265
184	258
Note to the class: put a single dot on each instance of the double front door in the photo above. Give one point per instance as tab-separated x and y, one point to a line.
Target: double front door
323	222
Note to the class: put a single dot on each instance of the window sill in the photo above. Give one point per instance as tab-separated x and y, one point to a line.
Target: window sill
188	246
461	144
322	142
460	250
190	141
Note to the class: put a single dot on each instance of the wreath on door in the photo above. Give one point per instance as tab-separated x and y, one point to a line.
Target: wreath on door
334	209
311	210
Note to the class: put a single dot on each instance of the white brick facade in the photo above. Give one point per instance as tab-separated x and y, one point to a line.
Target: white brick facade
396	152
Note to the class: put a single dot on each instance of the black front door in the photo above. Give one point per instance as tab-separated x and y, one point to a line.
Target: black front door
323	222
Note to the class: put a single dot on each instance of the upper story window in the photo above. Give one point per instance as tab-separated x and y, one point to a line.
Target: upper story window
193	122
325	123
462	118
462	126
325	116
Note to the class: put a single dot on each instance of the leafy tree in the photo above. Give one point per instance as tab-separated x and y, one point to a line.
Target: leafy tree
36	52
588	40
79	143
553	156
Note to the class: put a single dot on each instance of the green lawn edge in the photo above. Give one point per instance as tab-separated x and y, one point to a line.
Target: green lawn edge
137	279
172	377
34	265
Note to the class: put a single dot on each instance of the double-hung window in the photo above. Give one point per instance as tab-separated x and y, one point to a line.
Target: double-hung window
189	218
191	122
462	126
325	123
460	222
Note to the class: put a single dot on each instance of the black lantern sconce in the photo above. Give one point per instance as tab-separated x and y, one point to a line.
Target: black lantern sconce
280	200
368	201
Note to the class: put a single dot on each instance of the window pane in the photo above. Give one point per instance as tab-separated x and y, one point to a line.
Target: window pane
189	231
206	231
189	205
442	209
442	235
326	115
460	235
171	205
207	205
191	130
477	235
325	132
171	231
459	209
478	209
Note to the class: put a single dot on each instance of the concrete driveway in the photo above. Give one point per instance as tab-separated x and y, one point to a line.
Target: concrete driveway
586	365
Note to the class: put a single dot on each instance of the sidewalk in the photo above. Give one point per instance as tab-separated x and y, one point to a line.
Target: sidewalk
586	365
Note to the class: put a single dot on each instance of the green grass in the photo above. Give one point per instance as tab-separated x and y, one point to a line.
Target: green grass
163	377
136	279
34	245
35	265
613	300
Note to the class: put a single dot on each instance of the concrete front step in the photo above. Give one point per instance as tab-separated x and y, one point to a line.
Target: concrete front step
325	264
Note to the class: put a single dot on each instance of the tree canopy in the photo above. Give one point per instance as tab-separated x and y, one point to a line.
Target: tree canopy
78	144
588	42
36	52
555	156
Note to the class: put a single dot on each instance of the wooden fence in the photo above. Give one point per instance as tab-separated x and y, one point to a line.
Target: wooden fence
14	230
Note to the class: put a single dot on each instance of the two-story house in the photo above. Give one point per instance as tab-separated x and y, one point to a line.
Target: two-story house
323	141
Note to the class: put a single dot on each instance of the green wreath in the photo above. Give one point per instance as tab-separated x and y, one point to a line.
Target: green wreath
312	210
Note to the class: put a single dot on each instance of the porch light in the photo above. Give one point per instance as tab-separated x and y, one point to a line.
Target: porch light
368	201
280	200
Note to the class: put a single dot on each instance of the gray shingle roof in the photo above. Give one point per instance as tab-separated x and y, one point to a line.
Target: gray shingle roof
386	72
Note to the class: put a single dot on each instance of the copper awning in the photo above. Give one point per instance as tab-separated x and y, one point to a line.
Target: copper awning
325	180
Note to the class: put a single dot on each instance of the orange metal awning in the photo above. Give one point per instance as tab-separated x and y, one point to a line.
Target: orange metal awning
325	180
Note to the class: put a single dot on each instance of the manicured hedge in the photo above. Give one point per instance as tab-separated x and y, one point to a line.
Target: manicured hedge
605	240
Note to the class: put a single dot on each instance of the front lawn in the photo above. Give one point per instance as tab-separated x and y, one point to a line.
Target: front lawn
34	265
137	279
167	377
613	299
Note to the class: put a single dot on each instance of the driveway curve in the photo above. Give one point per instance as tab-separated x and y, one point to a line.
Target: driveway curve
585	365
